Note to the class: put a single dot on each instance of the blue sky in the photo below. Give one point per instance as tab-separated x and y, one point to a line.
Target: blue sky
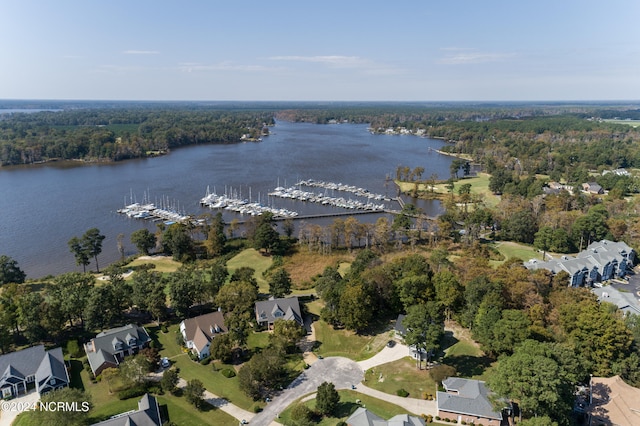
418	50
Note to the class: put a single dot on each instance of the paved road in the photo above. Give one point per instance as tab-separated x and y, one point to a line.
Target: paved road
342	372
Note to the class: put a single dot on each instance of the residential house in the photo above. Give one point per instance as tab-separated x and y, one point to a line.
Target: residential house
147	414
613	402
364	417
469	401
626	302
592	188
600	261
34	366
401	331
110	347
269	311
198	332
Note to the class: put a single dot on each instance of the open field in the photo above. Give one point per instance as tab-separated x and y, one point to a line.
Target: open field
304	265
632	123
253	259
479	185
510	250
162	263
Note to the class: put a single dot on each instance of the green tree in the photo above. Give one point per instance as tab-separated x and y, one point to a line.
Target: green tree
425	328
327	398
108	374
286	333
134	369
263	373
536	380
510	330
10	272
216	238
301	415
266	237
280	283
169	380
222	348
354	310
72	292
92	244
194	393
144	240
449	292
79	252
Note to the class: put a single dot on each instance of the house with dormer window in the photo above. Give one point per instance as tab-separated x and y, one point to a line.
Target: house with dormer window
199	332
269	311
109	348
33	367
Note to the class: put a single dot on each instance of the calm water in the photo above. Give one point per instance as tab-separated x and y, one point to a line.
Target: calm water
42	207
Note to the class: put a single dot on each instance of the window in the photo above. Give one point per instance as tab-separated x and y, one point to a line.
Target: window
52	381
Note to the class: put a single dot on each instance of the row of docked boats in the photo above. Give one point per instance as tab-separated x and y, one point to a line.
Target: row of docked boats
362	192
242	206
149	211
298	194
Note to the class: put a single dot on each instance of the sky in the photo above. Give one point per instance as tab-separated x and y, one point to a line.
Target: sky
348	50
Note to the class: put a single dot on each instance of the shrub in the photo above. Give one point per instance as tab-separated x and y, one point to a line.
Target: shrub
132	392
437	417
164	328
341	423
256	408
205	361
429	418
228	373
403	393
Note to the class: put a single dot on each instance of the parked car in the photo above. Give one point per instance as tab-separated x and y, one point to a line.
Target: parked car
391	344
165	363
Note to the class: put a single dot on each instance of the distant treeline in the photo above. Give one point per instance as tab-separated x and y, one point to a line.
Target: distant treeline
112	134
555	139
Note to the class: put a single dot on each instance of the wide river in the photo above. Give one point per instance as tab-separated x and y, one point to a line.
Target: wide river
43	206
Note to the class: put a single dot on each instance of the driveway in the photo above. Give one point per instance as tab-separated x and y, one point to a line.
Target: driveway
398	351
7	417
342	372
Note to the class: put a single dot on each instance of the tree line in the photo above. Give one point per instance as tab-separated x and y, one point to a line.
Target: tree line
121	133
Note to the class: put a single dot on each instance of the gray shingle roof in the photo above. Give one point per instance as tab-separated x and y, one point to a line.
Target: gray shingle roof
52	365
472	398
34	361
101	349
266	310
147	414
364	417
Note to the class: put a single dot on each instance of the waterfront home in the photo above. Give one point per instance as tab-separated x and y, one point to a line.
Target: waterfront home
109	348
32	367
269	311
198	332
592	188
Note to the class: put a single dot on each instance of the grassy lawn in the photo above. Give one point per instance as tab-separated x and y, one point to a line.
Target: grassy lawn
401	374
253	259
163	263
479	185
213	381
184	414
510	250
462	353
347	406
348	344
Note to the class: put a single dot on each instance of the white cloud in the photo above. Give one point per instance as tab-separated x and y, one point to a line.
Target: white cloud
463	56
141	52
222	66
331	60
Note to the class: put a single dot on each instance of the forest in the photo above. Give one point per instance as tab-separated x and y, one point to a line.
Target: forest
113	134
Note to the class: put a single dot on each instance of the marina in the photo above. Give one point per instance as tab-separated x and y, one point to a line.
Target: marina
237	204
